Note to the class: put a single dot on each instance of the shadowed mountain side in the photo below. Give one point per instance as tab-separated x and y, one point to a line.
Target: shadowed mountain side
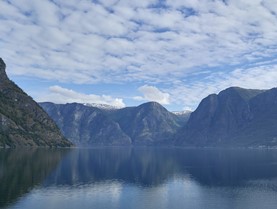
234	117
262	128
22	121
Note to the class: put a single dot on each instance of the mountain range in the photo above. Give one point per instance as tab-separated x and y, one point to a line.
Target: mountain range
235	117
22	121
147	124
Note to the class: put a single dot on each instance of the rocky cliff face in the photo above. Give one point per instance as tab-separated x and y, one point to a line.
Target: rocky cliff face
234	117
147	124
262	128
22	121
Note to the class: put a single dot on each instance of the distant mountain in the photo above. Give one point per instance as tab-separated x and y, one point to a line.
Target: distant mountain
184	112
22	121
85	125
234	117
102	106
183	116
147	124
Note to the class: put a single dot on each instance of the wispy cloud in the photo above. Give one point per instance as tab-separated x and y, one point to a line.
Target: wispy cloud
62	95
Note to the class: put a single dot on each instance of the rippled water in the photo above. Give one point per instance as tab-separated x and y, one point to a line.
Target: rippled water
138	178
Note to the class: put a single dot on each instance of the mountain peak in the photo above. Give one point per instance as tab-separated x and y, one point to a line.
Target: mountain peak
245	94
2	63
151	104
2	69
103	106
23	122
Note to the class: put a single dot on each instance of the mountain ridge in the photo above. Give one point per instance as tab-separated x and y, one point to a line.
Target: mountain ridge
231	118
85	125
147	124
22	121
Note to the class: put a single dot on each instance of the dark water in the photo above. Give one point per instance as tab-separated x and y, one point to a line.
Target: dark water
138	178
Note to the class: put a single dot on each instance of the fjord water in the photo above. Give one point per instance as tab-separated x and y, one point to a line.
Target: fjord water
125	177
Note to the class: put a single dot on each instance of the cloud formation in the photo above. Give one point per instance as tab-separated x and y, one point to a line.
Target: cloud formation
189	46
152	93
62	95
149	40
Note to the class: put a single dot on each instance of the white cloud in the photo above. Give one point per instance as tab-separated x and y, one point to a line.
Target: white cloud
115	37
62	95
84	42
152	93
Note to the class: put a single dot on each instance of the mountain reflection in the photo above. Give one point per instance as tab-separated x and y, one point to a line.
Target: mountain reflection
154	166
145	166
22	170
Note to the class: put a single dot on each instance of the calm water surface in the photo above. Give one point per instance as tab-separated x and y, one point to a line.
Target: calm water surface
145	178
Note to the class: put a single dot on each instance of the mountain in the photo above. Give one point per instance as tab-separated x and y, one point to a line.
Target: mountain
85	125
183	116
263	125
184	112
234	117
103	106
147	124
22	121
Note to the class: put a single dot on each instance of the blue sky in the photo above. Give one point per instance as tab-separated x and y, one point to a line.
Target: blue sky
125	53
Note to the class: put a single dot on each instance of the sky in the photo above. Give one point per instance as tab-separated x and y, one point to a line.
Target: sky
124	53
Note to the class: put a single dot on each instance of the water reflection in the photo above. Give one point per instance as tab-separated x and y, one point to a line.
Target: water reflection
142	166
22	170
154	166
125	173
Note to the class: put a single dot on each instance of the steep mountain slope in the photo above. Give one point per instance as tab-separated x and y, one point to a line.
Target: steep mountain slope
85	125
22	121
262	129
234	117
